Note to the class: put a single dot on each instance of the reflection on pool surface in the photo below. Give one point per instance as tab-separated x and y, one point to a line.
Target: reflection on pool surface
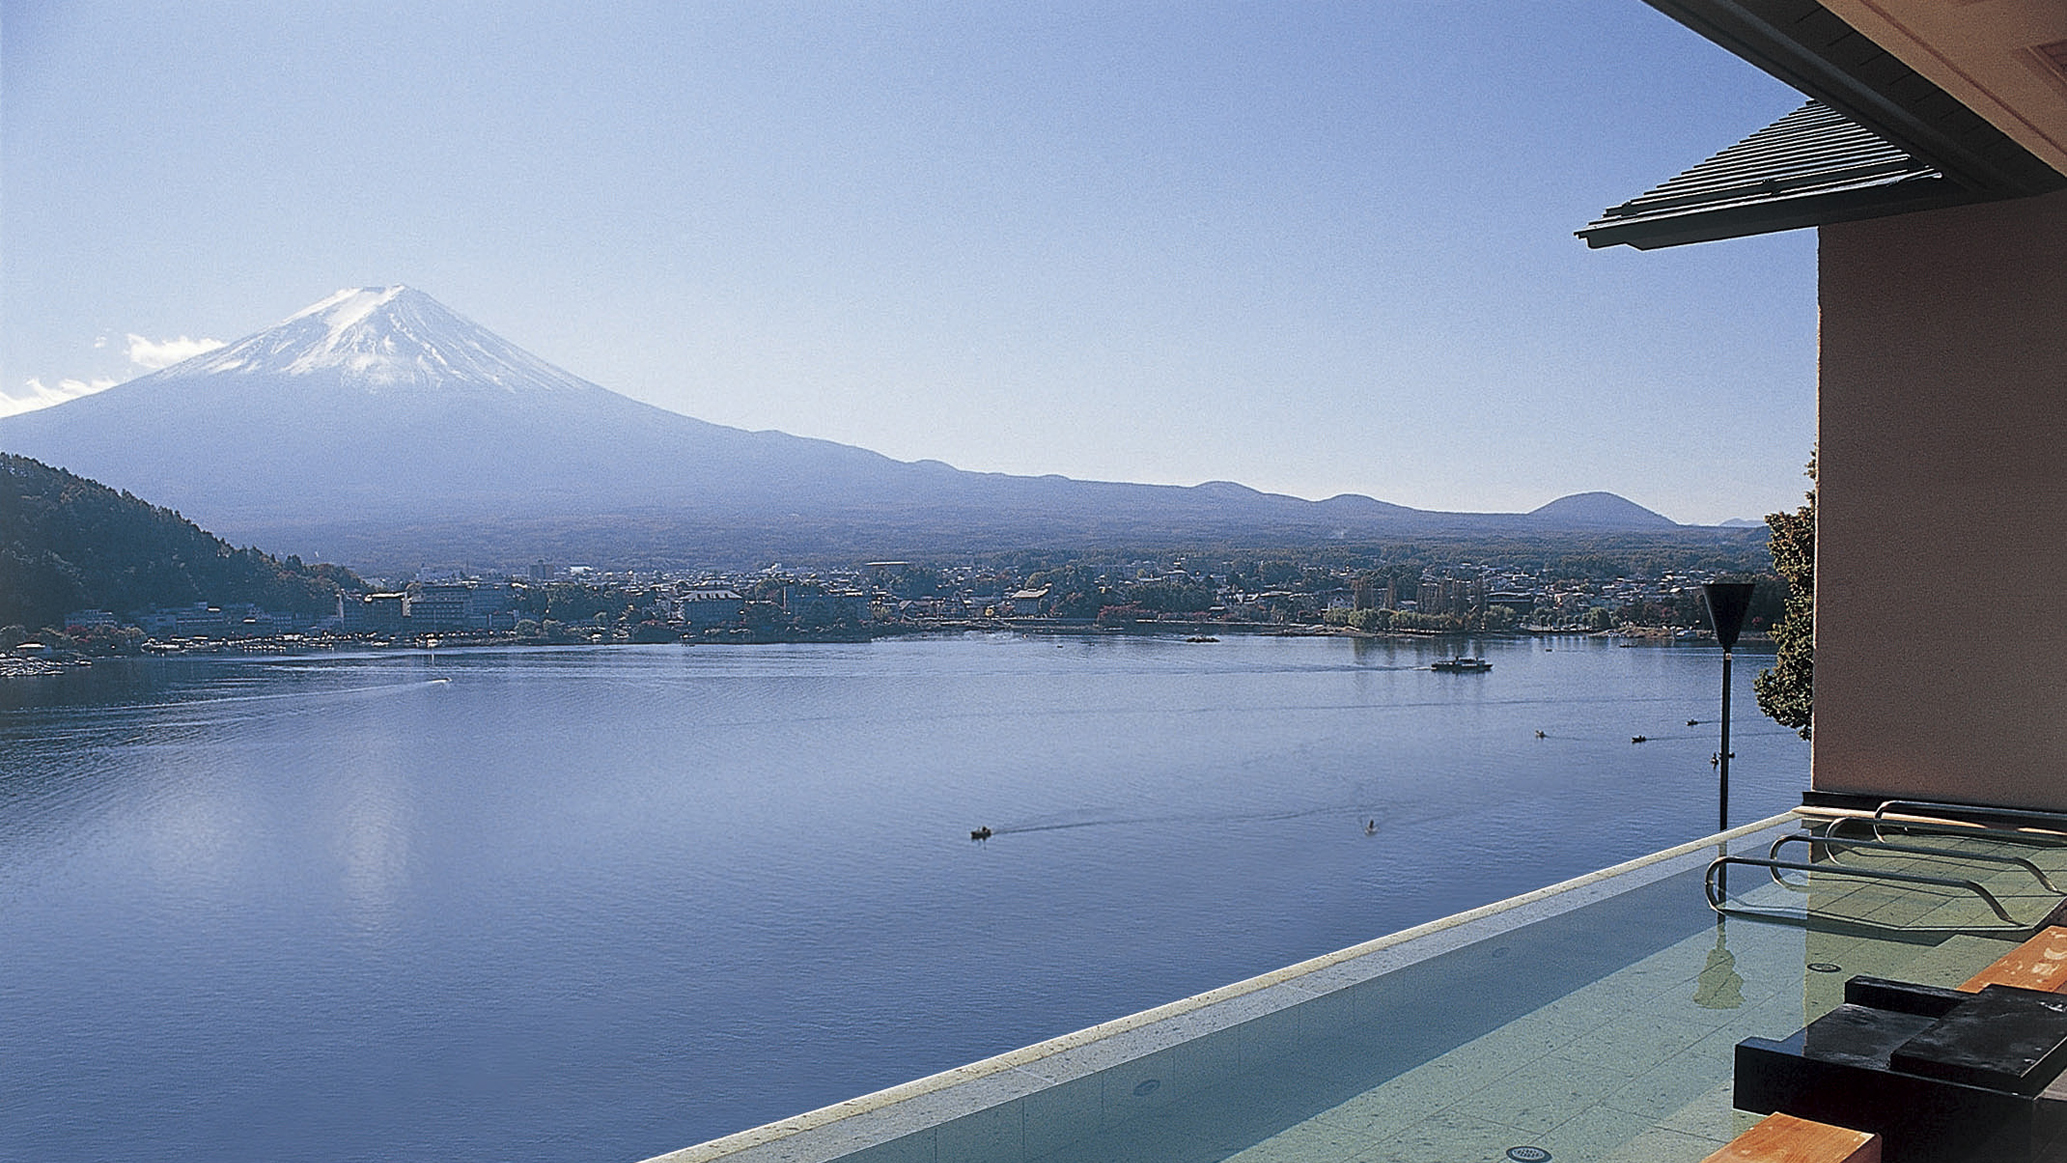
1593	1020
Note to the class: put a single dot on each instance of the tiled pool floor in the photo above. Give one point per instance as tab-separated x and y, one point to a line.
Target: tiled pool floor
1594	1021
1637	1049
1634	1067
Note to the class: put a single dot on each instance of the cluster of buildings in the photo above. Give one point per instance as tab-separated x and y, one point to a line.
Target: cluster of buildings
199	620
430	607
449	602
436	607
1467	591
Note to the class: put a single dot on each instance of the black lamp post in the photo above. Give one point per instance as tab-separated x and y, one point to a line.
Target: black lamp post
1727	604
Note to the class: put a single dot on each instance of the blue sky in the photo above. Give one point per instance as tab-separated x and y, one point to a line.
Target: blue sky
1315	248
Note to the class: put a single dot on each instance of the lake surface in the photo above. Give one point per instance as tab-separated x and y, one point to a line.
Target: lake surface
600	903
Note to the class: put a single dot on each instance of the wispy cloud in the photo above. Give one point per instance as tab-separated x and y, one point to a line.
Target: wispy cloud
37	394
147	354
152	355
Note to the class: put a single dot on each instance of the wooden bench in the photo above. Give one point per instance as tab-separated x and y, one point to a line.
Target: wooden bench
1780	1138
2040	963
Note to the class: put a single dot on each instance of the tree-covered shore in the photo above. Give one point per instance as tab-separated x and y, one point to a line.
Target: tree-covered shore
70	544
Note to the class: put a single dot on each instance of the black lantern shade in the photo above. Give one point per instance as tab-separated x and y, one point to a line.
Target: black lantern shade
1728	602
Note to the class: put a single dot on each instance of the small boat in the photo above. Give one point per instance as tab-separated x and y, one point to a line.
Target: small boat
982	833
1462	664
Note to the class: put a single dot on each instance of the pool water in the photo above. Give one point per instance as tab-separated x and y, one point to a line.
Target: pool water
1595	1021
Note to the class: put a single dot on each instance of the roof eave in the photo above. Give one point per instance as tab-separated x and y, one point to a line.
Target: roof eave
1764	216
1870	116
1808	47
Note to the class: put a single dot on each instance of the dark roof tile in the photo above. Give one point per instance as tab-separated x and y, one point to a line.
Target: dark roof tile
1813	165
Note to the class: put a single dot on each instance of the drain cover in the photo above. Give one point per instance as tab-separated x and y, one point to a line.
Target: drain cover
1147	1086
1825	967
1528	1155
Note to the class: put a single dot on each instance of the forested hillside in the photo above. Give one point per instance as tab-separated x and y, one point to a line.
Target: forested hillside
68	543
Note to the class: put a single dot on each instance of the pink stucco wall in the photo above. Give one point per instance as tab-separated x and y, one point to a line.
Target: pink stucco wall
1941	557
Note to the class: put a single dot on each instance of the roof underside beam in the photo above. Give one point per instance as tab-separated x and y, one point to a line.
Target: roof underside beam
1877	138
1807	46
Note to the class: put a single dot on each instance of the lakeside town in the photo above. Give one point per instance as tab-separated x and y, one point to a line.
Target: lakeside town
553	604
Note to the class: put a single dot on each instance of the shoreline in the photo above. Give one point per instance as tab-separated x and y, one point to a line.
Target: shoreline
297	645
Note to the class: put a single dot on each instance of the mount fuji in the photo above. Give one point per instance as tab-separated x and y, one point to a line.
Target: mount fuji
377	426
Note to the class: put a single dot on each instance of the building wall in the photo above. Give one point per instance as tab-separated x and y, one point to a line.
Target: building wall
1941	555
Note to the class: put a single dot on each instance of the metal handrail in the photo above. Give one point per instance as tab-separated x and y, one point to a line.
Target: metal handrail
2055	822
1720	903
1917	850
1878	828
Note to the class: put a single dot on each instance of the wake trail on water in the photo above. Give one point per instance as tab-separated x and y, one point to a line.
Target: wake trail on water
1184	818
386	688
207	712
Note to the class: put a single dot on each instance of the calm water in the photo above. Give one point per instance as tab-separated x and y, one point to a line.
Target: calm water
595	904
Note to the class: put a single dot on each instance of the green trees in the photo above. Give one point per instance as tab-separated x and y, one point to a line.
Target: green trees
1371	620
917	581
1074	591
1786	693
1171	597
68	543
654	632
1440	623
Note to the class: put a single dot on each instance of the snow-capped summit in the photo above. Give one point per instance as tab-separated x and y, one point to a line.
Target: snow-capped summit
380	339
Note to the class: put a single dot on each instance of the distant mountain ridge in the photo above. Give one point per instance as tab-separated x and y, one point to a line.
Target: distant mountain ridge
1600	511
377	419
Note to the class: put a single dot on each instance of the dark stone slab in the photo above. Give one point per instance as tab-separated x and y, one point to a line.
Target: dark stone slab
1905	997
1861	1035
2003	1037
1919	1120
1941	1075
